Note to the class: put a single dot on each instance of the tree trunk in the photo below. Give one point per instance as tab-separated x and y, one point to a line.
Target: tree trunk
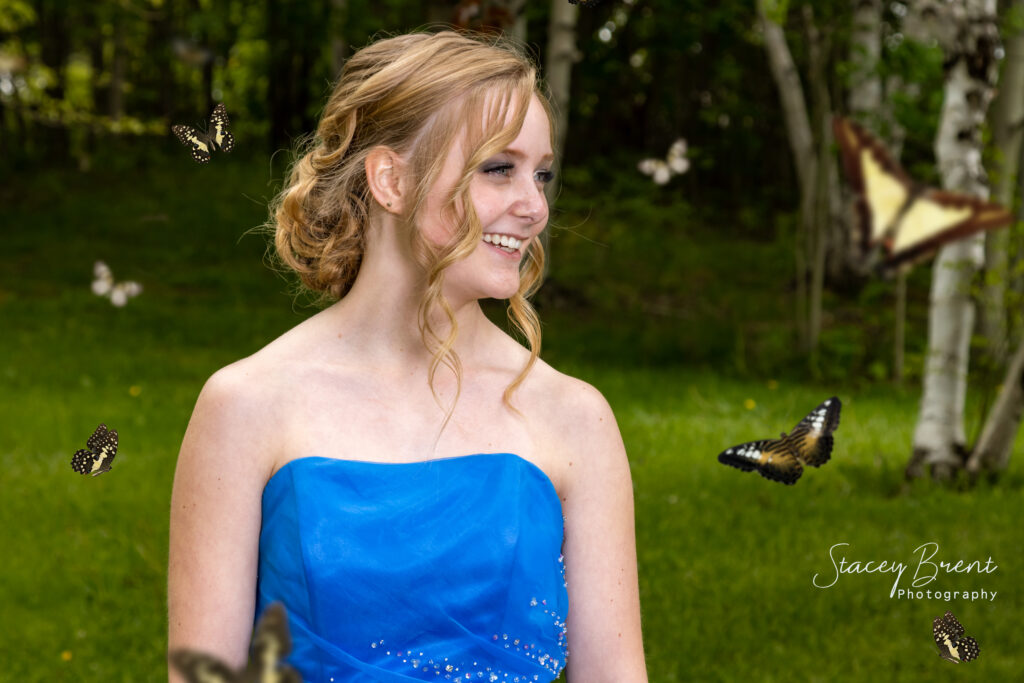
994	447
992	452
939	440
339	45
806	160
53	52
1007	114
559	59
115	103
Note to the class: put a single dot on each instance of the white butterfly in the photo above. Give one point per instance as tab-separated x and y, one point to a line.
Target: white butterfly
675	163
117	292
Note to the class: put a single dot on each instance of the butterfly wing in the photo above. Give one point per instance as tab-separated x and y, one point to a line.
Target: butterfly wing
811	439
271	643
83	461
676	159
949	636
772	458
197	667
938	217
881	185
218	129
101	448
123	291
195	140
103	444
657	169
104	279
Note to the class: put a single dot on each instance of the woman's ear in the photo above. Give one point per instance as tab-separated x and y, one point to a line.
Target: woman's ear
385	176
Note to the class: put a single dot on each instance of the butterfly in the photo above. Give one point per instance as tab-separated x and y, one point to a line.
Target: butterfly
585	3
910	220
675	163
102	447
809	443
104	285
217	136
953	645
270	643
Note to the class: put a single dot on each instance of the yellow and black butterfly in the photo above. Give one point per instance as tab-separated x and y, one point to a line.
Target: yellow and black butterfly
271	642
102	447
216	137
809	443
953	645
909	219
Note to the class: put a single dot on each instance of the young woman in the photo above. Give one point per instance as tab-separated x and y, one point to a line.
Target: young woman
429	499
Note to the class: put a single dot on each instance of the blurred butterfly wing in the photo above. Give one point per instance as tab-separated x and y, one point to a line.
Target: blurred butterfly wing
811	439
218	129
194	140
104	279
197	667
938	217
270	644
676	159
772	459
123	291
881	185
911	222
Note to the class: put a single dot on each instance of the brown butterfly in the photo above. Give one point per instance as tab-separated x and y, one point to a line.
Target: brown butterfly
270	643
910	220
780	459
953	645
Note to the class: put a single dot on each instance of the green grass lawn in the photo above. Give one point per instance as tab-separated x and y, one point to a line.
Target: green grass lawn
726	559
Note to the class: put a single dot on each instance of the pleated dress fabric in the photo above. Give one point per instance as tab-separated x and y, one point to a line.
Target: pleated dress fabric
442	570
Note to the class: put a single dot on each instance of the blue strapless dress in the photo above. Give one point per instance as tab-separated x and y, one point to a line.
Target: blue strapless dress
446	569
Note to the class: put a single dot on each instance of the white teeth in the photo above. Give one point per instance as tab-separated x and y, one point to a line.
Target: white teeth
510	244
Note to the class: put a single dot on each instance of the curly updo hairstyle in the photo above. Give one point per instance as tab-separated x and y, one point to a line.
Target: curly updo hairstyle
414	94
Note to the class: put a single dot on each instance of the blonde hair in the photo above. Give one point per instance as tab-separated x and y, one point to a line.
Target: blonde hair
414	94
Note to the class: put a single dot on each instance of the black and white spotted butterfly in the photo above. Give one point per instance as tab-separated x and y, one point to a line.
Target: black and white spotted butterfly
270	644
102	447
216	137
780	459
953	644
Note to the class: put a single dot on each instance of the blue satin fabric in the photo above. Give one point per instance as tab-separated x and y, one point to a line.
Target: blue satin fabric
447	569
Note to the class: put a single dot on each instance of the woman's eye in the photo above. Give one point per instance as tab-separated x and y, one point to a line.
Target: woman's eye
500	169
545	177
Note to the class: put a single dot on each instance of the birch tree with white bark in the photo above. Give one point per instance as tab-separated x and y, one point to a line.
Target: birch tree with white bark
967	32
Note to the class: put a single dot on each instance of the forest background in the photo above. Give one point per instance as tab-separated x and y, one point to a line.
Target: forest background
716	308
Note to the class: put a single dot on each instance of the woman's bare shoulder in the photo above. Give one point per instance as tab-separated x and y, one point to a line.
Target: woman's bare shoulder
578	420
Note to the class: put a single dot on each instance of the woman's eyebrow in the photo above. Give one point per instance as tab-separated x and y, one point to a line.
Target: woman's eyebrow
522	155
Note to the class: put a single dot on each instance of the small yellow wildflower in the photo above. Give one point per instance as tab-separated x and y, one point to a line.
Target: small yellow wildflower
749	404
66	655
135	390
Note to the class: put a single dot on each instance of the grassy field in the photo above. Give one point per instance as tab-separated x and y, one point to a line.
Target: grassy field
726	559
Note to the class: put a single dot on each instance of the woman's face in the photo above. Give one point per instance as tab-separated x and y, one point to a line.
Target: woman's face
507	192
